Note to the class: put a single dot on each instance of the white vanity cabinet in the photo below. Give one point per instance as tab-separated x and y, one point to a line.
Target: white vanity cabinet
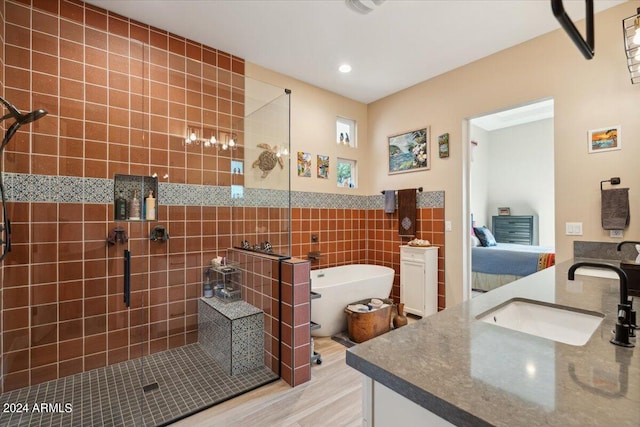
419	279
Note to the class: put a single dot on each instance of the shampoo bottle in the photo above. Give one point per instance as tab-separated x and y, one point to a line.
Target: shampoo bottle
150	206
121	207
134	209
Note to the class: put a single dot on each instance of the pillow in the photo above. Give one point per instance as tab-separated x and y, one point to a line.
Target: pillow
485	236
475	241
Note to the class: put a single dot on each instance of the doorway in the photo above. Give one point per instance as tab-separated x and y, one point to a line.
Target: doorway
509	171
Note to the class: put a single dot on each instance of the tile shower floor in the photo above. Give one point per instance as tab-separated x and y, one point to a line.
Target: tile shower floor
187	377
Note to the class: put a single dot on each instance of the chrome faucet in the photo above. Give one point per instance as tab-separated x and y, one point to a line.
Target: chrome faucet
623	324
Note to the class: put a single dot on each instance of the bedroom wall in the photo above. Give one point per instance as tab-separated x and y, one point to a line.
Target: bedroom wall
520	174
479	175
547	66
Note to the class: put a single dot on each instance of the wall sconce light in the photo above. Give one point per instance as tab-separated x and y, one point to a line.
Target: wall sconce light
196	136
631	34
193	137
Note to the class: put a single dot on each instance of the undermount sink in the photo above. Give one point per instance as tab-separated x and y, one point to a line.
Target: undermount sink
554	322
597	272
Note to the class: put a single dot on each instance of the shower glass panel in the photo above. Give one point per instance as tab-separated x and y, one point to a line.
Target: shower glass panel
260	194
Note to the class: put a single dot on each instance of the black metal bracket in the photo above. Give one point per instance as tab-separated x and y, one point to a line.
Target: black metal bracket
586	47
613	181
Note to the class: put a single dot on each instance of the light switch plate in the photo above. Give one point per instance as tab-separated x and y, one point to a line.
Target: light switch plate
573	229
448	226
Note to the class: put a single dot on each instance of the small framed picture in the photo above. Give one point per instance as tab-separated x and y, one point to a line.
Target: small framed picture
323	166
504	211
304	164
605	139
443	145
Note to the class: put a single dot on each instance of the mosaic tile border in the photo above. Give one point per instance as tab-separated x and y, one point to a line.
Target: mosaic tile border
66	189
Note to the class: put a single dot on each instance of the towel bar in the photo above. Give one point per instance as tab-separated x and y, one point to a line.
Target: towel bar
614	181
419	190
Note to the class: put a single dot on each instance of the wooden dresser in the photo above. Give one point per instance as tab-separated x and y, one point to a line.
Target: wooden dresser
520	229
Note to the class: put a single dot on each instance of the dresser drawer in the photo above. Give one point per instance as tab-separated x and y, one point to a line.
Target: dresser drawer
515	229
513	225
409	253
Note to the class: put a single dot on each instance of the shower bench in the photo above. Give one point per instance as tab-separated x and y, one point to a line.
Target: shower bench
232	334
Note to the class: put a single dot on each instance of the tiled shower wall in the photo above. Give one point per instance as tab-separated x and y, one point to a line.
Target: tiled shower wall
120	96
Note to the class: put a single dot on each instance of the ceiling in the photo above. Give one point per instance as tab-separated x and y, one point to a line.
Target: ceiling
397	44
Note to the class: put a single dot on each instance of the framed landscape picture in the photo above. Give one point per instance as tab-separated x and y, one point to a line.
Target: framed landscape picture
409	151
605	139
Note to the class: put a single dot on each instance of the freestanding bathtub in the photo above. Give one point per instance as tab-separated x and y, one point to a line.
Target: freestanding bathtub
341	286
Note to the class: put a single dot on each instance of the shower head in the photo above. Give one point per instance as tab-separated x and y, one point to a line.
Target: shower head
32	116
23	119
20	119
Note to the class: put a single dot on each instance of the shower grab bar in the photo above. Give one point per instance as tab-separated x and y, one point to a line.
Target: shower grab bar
127	277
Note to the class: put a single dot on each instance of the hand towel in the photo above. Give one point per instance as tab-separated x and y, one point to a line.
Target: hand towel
389	201
407	212
615	208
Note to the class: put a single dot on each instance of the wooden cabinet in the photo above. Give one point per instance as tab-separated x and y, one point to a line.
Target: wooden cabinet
520	229
419	279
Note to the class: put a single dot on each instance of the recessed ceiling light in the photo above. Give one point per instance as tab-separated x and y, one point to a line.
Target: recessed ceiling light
345	68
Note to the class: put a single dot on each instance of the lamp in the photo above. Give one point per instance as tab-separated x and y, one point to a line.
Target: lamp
631	34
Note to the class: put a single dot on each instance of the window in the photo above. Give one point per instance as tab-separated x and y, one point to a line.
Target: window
347	173
346	132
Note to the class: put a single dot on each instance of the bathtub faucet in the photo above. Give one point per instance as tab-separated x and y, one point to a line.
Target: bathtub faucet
314	255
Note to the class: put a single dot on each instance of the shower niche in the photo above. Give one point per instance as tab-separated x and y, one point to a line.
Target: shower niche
135	198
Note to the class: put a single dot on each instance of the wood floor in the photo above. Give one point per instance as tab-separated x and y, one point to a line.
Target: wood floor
333	398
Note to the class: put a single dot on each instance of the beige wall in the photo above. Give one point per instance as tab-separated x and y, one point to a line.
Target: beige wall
587	95
313	130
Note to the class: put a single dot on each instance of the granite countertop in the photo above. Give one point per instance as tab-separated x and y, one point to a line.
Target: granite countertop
473	373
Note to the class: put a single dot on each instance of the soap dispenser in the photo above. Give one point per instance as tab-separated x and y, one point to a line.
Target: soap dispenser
150	207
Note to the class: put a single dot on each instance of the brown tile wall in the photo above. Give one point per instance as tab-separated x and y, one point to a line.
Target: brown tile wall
351	236
296	316
260	288
116	106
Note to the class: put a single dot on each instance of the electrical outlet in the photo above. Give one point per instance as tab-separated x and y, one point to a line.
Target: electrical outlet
615	233
448	226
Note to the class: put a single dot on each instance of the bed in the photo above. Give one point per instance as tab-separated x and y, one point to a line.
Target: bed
502	263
